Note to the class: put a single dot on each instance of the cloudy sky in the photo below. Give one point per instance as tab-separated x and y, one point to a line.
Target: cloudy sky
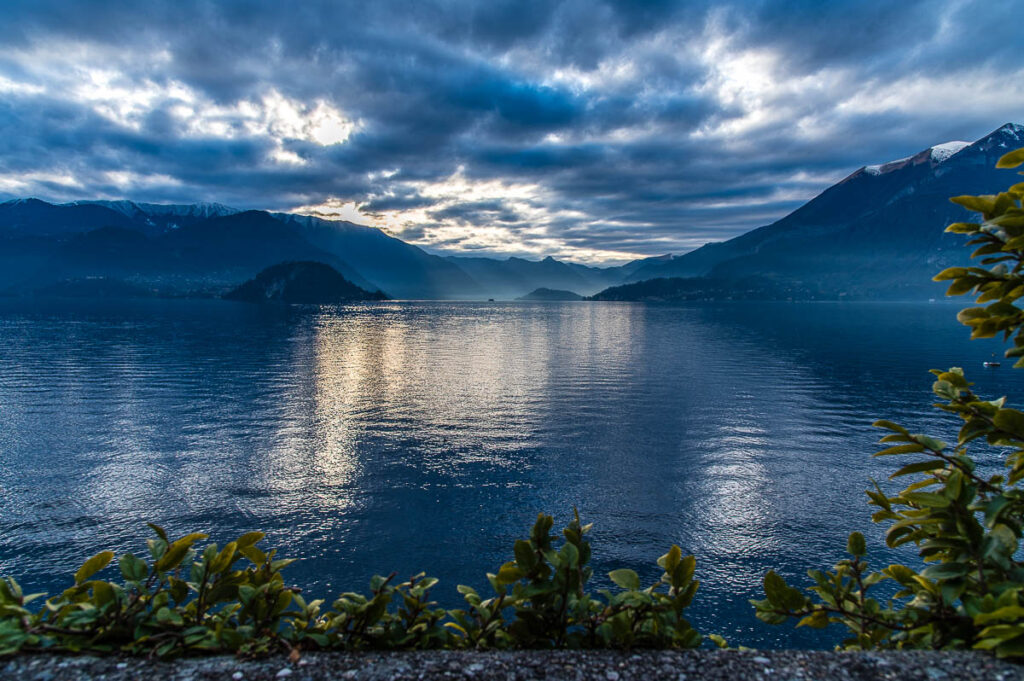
596	131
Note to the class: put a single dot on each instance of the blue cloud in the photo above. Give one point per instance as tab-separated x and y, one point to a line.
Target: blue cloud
619	126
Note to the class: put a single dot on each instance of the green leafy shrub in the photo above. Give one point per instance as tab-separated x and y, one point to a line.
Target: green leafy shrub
967	526
188	600
545	589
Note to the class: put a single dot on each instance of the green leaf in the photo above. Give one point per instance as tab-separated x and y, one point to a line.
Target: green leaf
1011	612
994	508
159	532
684	571
919	467
889	425
901	573
925	499
93	565
625	578
509	573
901	449
524	554
570	555
246	593
176	552
780	594
945	571
133	569
960	228
855	545
1011	160
931	442
222	561
670	560
249	539
1010	421
1006	537
979	204
816	620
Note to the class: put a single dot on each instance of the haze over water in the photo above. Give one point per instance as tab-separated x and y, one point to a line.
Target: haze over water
426	436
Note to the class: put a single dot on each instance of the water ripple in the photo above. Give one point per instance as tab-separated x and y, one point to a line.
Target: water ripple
405	436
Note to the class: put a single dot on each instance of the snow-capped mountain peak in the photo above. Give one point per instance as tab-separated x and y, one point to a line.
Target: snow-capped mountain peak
133	208
1014	129
935	155
203	209
941	152
882	168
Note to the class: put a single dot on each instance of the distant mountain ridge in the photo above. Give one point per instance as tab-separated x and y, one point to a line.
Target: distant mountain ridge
876	233
515	277
133	209
206	248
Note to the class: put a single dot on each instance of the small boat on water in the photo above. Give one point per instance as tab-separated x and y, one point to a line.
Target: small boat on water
991	364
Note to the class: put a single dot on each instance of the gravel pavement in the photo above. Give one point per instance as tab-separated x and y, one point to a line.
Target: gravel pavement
702	665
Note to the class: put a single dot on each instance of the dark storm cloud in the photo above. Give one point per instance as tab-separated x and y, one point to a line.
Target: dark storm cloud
607	127
395	202
476	212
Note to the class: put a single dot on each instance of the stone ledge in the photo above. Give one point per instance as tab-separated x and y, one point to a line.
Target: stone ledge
701	665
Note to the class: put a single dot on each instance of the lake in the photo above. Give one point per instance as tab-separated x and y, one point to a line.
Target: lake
416	436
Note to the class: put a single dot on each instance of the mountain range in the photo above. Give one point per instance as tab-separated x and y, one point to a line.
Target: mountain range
877	233
206	249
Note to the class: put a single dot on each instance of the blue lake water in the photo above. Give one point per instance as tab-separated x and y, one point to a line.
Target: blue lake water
427	436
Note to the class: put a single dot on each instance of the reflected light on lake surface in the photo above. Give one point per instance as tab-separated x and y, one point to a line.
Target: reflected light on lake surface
427	436
732	497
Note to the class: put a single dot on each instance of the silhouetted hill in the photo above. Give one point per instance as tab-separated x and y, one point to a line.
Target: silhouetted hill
301	283
672	289
542	294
